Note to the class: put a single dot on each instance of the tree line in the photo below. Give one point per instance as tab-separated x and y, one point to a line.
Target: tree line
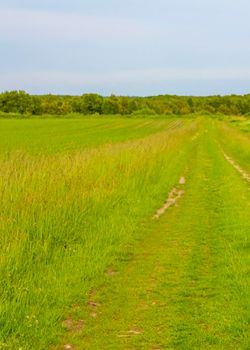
21	102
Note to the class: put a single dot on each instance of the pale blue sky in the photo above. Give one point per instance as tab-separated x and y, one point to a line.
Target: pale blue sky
132	47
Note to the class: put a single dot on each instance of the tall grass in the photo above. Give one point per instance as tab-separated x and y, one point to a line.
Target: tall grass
66	216
236	143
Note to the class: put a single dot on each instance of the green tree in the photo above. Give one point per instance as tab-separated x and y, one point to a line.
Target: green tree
91	103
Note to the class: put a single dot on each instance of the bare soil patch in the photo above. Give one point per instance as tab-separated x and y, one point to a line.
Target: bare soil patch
175	194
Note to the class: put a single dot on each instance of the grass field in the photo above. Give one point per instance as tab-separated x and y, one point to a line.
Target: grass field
84	265
62	135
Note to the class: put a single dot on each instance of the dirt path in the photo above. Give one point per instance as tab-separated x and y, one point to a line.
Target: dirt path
184	285
175	194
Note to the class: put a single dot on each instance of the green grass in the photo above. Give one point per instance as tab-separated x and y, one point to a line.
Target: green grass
186	284
62	135
66	216
241	123
235	143
71	213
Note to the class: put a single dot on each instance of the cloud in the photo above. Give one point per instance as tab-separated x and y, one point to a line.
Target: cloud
53	78
28	25
63	46
173	28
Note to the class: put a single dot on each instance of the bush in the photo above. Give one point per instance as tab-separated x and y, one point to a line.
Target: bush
144	112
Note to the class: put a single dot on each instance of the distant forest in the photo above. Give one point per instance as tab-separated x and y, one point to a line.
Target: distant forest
20	102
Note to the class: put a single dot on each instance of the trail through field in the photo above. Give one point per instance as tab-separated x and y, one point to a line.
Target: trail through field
121	234
184	284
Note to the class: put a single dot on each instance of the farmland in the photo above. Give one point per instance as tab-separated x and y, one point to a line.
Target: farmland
85	262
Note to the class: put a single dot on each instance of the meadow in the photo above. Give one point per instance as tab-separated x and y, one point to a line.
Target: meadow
85	265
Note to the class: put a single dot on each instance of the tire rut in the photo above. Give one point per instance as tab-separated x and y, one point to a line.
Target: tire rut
237	167
174	195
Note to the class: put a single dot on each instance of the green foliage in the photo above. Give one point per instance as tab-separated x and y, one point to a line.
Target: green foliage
111	105
144	112
91	104
87	104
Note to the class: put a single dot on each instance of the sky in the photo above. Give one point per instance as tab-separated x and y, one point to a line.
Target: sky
132	47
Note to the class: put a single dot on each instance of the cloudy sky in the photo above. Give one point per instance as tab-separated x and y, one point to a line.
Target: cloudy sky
132	47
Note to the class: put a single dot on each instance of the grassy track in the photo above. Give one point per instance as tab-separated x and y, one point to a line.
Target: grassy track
186	286
86	267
